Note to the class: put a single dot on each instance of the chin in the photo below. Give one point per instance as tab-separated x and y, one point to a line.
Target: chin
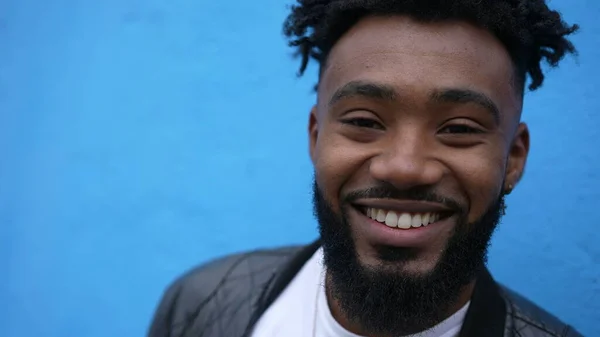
400	261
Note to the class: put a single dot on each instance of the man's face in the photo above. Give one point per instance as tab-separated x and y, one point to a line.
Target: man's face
414	138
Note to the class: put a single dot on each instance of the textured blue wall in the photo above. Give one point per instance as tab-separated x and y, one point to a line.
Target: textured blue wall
139	138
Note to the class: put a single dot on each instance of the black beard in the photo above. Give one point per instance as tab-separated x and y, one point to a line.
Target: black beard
389	301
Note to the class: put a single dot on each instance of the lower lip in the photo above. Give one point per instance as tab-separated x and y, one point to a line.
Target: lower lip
380	234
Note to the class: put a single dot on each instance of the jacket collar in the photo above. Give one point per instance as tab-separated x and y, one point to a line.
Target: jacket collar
486	315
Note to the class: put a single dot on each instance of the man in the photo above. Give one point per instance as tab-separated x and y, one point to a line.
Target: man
415	139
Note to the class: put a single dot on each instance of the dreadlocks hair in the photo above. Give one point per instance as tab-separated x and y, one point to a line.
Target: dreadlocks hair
529	30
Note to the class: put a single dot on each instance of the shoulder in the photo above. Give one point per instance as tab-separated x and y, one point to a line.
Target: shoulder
530	320
217	282
233	267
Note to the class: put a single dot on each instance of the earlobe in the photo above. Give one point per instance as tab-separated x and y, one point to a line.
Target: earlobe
313	132
517	158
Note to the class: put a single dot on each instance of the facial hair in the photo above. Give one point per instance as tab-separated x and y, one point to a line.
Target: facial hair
385	299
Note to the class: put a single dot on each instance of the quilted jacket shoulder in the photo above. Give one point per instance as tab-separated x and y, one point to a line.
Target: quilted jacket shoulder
218	298
526	319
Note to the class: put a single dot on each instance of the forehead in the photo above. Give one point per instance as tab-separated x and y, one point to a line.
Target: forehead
420	57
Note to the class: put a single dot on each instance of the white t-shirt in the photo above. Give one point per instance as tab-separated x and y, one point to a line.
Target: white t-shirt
301	310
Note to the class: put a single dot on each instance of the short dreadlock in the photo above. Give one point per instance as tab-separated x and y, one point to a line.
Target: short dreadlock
529	30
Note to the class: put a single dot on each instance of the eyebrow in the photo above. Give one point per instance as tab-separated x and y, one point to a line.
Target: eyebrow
465	96
363	89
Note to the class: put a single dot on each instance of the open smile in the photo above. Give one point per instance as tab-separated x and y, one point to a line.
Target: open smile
403	214
402	223
403	219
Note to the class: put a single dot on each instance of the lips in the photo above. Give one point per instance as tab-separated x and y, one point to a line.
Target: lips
398	223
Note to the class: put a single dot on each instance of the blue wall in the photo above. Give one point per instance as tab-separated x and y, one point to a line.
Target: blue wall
139	138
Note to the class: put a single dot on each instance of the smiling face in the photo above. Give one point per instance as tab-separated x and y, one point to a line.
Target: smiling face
414	138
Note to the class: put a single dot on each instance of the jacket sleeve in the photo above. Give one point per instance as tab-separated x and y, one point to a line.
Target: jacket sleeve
571	332
162	322
189	301
217	296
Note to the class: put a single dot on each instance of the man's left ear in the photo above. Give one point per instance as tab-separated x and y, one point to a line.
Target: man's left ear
517	158
313	132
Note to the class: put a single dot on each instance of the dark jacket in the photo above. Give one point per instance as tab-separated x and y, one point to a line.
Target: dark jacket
226	297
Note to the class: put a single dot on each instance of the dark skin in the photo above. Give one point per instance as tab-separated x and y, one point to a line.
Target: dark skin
417	104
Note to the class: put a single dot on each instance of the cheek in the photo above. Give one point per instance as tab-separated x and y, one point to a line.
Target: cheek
481	175
336	162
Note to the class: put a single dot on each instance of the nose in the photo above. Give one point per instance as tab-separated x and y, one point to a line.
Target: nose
406	162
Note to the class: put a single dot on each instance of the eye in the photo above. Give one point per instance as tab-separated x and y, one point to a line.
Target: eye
363	123
459	129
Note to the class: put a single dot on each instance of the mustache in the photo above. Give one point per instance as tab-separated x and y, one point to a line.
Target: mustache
422	194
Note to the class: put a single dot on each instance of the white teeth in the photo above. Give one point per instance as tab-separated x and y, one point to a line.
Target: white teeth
402	220
416	220
425	219
381	215
391	219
